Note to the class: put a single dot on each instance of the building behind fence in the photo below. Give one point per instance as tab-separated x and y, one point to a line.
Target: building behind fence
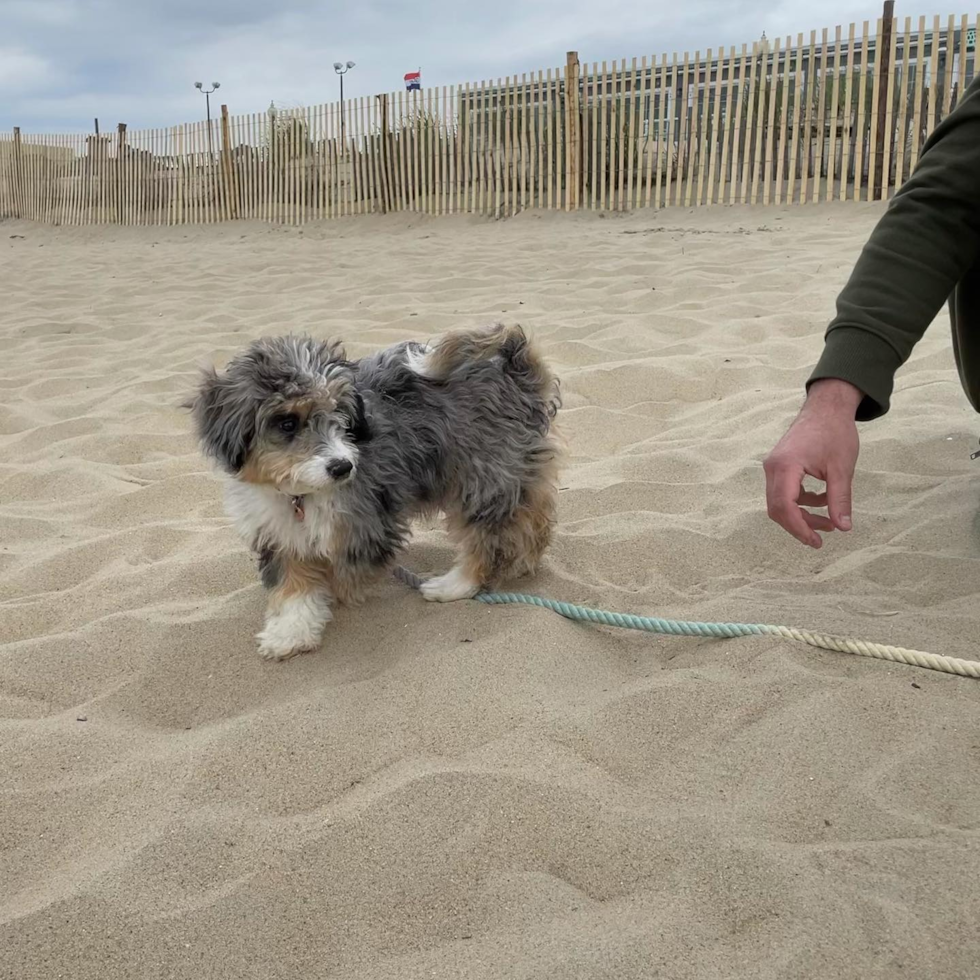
840	117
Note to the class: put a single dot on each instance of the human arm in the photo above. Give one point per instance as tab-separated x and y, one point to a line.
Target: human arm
921	248
918	252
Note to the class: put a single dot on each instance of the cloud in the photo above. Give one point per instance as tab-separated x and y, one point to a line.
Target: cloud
22	71
44	13
136	61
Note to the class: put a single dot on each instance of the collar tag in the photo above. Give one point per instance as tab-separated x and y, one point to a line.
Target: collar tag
298	509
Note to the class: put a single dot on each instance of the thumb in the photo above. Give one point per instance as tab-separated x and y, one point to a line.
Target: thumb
839	498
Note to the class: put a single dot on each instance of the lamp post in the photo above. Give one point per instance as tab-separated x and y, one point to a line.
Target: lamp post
207	97
342	69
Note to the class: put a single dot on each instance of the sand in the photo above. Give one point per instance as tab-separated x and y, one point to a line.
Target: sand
466	791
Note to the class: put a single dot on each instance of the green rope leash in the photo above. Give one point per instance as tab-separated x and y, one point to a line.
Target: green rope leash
680	627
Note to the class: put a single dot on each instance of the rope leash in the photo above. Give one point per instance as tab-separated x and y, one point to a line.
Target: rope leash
680	627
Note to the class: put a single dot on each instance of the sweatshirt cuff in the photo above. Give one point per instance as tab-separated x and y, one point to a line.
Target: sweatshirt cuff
864	360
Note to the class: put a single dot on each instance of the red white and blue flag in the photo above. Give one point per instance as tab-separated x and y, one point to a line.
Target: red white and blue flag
413	80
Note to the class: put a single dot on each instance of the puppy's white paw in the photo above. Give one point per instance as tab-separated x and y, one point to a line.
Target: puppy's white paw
452	586
274	648
296	628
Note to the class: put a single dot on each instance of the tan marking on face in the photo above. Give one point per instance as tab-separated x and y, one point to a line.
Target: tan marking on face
269	465
271	462
323	399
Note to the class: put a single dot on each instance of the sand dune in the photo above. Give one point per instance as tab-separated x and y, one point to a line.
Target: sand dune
465	791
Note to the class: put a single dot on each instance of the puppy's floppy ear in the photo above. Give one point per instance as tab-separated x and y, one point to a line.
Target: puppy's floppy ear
224	417
360	430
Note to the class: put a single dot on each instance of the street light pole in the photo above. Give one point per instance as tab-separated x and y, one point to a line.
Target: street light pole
207	98
342	69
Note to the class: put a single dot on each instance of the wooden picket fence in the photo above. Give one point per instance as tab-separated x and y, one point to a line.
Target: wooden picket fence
778	121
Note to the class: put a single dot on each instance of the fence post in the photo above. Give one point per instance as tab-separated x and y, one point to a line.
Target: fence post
227	170
883	47
120	174
573	130
18	176
385	172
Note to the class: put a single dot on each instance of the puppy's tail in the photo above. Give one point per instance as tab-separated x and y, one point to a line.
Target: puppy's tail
509	345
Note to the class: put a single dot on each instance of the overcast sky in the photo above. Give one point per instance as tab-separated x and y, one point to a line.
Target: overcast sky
63	62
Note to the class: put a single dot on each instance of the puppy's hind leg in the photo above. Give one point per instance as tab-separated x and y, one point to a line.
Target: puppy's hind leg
476	532
494	543
298	610
458	583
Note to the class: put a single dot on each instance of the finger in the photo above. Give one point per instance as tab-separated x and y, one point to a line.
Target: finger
808	499
839	498
782	491
818	522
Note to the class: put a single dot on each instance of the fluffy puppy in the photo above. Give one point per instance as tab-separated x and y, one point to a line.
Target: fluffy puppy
327	461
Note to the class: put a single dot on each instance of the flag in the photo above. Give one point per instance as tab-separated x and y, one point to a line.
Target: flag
413	81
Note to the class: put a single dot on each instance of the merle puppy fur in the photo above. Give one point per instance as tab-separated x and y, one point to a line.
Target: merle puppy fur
327	461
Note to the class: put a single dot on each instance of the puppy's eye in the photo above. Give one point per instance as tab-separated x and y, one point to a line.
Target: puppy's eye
288	425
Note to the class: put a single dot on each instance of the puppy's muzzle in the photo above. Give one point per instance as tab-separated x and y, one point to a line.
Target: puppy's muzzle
339	469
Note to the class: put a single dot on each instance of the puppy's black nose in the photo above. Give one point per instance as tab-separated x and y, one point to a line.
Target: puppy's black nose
339	469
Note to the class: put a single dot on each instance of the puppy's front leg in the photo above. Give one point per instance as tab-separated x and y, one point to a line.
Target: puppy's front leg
298	611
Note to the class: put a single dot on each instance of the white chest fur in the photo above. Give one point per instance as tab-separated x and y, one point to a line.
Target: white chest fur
263	514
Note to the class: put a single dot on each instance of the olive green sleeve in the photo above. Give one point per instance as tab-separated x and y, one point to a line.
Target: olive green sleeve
921	248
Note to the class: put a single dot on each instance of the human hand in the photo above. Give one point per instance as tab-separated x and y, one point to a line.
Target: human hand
822	443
